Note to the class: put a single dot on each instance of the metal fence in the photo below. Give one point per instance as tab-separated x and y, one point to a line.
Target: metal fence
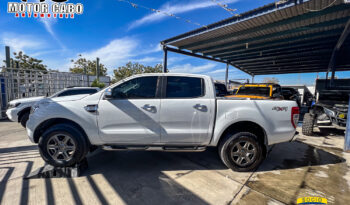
18	83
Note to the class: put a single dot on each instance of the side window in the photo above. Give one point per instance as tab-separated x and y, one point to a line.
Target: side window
184	87
138	88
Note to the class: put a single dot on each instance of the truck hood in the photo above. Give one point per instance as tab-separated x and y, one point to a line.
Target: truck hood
27	100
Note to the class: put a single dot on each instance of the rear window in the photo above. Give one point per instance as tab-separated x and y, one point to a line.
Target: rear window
259	91
77	92
184	87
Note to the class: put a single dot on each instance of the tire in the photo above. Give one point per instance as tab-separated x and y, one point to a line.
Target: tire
229	145
58	153
24	118
308	124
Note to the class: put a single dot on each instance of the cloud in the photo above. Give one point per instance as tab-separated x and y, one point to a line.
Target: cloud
148	60
188	68
175	9
19	42
116	52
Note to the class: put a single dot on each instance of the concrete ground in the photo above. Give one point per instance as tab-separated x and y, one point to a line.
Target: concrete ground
309	166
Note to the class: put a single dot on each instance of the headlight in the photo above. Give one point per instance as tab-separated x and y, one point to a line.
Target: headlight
13	105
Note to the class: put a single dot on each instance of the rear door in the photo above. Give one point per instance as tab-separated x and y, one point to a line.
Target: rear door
186	111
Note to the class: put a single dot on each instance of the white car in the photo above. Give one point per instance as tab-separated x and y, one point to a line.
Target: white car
164	112
19	110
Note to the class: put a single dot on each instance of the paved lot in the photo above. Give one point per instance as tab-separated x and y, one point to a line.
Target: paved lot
310	166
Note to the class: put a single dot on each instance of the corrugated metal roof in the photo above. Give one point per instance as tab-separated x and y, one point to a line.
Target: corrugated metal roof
289	37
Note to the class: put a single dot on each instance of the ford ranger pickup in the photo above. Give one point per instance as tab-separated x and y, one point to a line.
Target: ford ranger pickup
162	112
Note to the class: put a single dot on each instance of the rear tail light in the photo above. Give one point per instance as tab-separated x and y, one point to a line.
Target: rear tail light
295	116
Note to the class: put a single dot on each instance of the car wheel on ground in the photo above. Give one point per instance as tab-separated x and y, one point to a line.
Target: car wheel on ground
308	124
24	118
241	151
63	145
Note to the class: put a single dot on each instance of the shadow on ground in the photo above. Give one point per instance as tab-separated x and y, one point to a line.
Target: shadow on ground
155	177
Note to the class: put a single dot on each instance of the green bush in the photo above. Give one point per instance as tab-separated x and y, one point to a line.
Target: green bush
98	84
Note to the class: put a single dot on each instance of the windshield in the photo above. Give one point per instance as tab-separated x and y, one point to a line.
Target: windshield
260	91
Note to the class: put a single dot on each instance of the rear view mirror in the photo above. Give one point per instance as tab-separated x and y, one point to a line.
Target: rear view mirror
108	94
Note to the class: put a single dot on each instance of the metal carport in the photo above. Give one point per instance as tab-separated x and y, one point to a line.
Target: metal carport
289	36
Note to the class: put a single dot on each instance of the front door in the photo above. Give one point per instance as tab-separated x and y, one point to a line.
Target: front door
132	115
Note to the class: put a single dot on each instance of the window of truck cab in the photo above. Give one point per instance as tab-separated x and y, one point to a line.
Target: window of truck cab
137	88
184	87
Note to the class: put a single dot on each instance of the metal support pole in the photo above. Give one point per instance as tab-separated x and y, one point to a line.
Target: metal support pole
347	132
226	75
8	59
253	78
98	69
165	61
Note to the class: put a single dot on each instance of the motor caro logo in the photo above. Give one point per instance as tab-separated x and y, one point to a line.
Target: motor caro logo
42	9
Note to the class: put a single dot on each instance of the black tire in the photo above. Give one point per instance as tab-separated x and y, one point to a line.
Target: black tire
308	124
76	138
24	118
229	143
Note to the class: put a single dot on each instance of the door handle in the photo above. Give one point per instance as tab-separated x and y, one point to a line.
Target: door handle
200	107
148	107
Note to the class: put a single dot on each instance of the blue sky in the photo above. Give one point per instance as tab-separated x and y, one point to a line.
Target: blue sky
117	33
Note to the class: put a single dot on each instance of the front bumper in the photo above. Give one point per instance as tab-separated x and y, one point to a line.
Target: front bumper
12	114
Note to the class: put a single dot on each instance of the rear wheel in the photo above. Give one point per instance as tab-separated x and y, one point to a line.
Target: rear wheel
308	124
24	118
241	151
63	145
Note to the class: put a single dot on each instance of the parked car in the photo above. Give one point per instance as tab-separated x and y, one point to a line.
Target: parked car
19	110
291	94
163	112
331	106
258	91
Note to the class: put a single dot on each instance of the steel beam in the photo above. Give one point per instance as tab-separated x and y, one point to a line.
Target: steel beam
226	74
285	41
277	53
284	60
334	22
321	52
332	62
347	132
295	19
165	60
274	49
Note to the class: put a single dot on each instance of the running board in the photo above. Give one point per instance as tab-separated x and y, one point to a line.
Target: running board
156	148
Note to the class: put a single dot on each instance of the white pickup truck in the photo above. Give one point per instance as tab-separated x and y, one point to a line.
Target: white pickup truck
164	112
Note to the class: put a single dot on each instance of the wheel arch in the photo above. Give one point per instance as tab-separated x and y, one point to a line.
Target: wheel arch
22	112
54	121
248	126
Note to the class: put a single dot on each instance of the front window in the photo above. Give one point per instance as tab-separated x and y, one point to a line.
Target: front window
138	88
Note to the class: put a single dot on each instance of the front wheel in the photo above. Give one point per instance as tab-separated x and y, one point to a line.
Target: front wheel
24	119
241	151
63	145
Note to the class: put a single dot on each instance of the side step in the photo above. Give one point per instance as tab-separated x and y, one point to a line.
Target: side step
156	148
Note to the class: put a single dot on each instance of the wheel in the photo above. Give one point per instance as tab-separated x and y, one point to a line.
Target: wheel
241	151
308	124
63	145
24	119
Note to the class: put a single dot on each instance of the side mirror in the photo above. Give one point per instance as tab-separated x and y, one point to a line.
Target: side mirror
108	94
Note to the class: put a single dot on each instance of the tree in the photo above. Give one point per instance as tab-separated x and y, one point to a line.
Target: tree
271	80
98	84
24	61
90	66
134	68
